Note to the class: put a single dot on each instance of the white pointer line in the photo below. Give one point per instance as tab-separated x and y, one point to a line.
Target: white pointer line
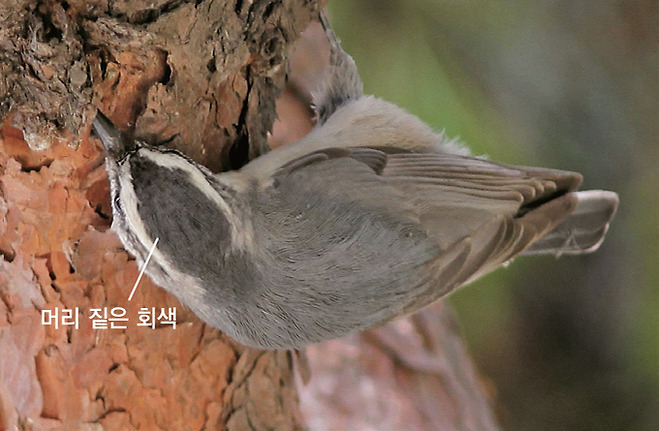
146	262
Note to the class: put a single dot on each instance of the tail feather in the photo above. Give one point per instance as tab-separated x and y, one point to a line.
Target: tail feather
583	230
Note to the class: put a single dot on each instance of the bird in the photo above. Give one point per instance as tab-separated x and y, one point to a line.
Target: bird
370	217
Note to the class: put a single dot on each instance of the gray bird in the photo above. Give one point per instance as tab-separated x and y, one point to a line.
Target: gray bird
369	217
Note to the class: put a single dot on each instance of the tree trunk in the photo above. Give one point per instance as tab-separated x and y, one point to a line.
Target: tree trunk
201	77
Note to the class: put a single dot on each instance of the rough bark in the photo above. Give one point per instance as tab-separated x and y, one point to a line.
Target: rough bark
201	76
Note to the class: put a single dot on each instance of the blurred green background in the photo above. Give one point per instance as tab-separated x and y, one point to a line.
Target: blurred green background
569	344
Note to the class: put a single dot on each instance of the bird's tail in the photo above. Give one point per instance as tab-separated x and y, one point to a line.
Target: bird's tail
583	230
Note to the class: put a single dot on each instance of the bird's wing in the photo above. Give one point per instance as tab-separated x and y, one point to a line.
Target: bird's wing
330	220
479	213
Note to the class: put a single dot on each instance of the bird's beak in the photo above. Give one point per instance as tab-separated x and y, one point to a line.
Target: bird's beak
115	143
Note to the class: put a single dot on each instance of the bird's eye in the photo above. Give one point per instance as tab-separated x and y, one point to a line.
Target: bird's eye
116	203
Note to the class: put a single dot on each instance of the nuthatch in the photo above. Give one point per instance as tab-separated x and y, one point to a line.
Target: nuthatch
369	217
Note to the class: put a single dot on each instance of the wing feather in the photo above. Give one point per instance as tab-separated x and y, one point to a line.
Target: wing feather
471	214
